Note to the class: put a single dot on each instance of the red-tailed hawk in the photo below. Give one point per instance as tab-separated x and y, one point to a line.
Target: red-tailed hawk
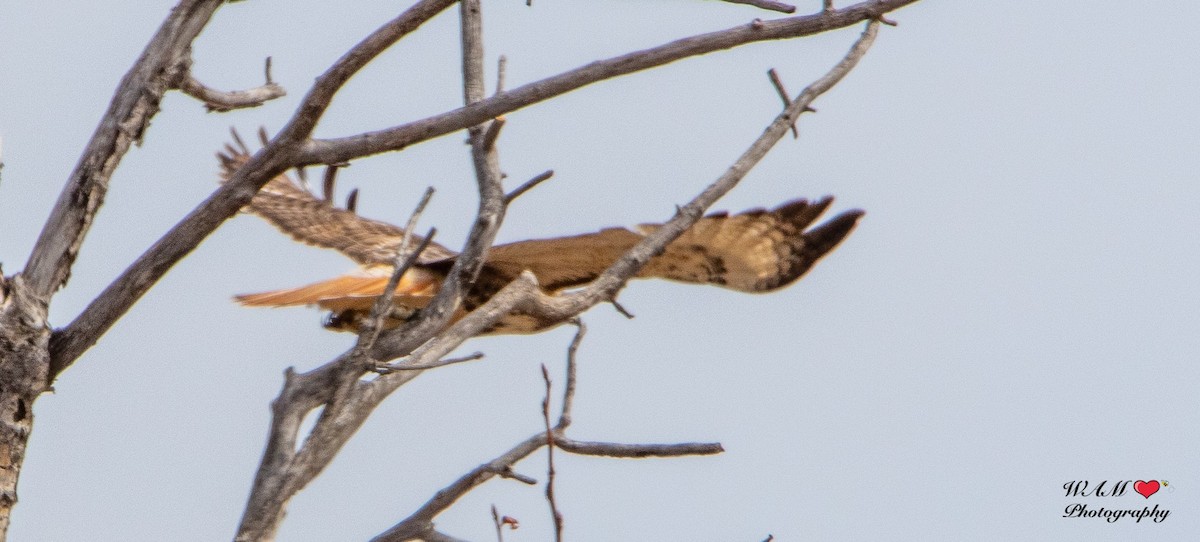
752	251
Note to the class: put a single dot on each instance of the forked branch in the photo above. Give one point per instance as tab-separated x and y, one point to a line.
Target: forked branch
420	522
276	157
321	151
348	401
523	294
135	102
220	100
59	242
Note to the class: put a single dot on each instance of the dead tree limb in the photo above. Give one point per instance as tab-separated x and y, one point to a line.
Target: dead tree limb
32	356
424	341
770	5
221	100
321	151
280	155
420	522
135	103
345	410
291	147
25	360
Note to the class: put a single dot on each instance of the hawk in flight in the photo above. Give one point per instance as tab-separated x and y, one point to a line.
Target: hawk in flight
753	251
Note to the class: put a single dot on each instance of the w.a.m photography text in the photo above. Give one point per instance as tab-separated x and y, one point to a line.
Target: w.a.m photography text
1110	489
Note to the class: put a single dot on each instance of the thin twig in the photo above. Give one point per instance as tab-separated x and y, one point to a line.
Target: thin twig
433	535
568	401
221	101
496	522
827	5
422	519
398	137
493	132
554	513
783	95
884	20
523	294
536	180
335	426
509	474
621	309
501	68
55	250
384	369
490	215
403	262
766	4
60	239
136	101
610	449
501	522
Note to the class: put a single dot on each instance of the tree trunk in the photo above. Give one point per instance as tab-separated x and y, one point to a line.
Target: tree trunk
24	369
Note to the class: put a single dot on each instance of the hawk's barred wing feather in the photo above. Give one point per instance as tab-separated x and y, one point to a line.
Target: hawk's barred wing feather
315	221
753	251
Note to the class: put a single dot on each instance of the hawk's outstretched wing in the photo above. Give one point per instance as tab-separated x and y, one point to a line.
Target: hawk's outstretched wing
752	251
315	221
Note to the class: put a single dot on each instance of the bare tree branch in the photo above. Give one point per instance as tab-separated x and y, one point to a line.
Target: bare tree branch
421	521
438	536
555	515
564	418
440	363
289	149
68	343
536	180
26	365
135	102
351	401
348	401
501	71
398	137
338	389
403	262
492	206
609	449
766	4
524	295
221	101
783	95
493	132
386	300
499	526
511	475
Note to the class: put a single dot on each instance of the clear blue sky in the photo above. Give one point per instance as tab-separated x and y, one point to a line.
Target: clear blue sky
1017	310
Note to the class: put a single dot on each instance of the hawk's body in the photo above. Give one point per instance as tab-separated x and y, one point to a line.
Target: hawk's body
753	251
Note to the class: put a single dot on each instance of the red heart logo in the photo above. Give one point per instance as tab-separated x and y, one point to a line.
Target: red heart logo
1146	489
